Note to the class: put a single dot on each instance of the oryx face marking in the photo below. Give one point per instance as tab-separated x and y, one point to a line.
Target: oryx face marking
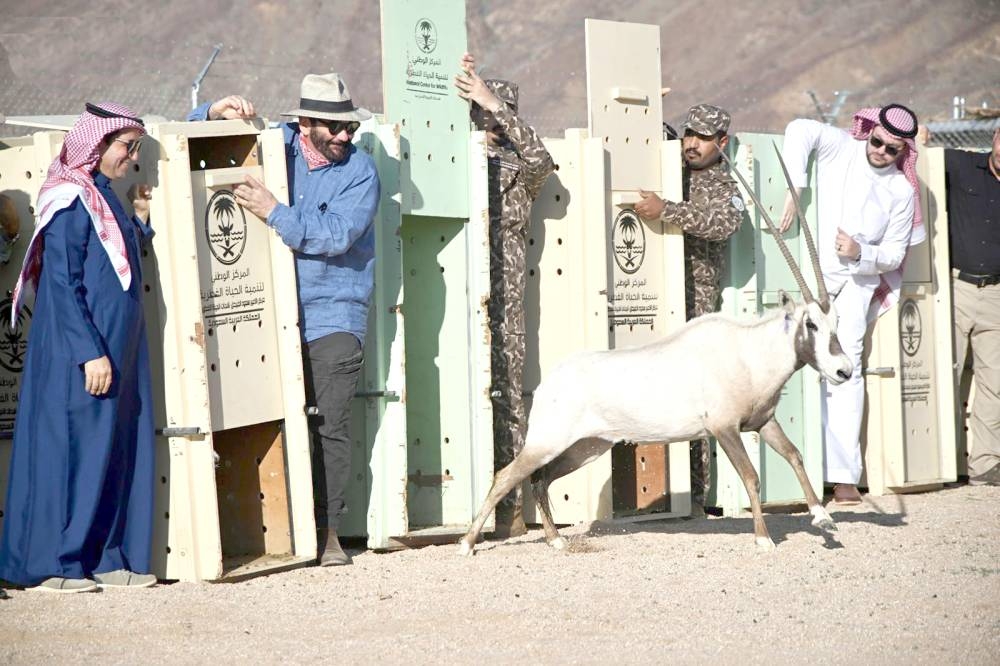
816	343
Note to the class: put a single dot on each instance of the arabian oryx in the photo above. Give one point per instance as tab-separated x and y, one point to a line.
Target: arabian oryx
713	377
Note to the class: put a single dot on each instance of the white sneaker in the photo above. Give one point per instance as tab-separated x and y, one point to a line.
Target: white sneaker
59	585
124	578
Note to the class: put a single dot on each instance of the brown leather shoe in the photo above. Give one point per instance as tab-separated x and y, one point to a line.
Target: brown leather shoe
330	552
846	494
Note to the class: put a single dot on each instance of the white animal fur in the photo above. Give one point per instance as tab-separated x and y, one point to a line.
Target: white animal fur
714	377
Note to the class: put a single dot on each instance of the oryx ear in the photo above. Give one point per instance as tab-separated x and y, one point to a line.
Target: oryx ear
786	301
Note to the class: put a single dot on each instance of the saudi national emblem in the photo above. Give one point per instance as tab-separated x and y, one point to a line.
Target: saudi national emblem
628	241
13	340
910	328
426	35
225	227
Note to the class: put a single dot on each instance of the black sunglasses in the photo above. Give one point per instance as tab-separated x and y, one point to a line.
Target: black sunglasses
338	126
132	146
891	151
93	109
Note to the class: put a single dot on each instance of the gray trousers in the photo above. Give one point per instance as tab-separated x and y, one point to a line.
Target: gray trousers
332	366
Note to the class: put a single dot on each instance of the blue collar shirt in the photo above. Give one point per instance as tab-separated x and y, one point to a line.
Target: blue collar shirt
329	225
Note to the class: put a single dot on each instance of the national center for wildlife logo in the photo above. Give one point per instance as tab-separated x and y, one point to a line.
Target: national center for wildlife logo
628	241
13	340
225	227
426	35
910	327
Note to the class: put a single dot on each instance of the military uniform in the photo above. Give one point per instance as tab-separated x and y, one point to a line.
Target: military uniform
517	170
711	212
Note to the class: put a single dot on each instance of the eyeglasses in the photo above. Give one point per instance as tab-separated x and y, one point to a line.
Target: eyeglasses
891	151
132	146
338	126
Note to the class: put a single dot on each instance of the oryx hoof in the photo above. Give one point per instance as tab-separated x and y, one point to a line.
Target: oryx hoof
822	519
826	524
764	544
559	543
465	548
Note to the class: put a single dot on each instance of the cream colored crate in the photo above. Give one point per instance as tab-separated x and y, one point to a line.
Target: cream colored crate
571	279
251	510
624	154
566	300
645	259
23	165
909	437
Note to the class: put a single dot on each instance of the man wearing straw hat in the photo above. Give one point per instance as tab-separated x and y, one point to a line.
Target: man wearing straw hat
329	226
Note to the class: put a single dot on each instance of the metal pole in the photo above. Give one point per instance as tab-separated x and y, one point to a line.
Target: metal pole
819	108
838	104
196	84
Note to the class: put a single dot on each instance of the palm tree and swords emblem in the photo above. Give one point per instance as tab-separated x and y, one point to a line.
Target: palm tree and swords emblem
426	35
910	329
628	241
13	343
225	227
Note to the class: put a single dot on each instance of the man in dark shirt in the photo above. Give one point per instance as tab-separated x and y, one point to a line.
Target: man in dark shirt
974	235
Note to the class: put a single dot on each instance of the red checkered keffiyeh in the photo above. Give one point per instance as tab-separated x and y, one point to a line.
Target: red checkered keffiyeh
314	159
904	123
70	177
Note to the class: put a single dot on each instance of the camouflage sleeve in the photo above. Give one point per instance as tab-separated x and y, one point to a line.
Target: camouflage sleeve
536	162
715	216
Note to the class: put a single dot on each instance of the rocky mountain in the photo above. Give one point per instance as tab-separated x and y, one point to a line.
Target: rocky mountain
757	58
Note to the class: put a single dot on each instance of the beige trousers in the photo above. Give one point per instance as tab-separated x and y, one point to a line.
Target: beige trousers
977	328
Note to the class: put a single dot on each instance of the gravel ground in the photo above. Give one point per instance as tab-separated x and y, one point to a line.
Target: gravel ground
907	579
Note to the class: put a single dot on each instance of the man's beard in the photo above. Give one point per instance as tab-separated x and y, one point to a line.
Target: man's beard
698	162
323	146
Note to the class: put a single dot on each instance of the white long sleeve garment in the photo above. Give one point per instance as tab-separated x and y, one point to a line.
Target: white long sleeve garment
873	205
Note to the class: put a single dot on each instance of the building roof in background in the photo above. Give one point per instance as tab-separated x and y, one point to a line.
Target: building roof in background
967	133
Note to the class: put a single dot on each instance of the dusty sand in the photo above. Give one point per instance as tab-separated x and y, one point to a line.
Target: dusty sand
906	579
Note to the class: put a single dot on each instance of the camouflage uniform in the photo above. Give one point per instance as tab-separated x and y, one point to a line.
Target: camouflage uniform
517	171
711	212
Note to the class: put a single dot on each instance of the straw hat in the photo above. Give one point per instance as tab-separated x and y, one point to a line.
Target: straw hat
325	96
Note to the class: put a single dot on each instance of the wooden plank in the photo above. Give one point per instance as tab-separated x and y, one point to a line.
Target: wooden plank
236	569
289	357
253	491
640	479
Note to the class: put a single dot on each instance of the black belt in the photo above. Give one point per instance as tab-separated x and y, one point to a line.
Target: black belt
978	280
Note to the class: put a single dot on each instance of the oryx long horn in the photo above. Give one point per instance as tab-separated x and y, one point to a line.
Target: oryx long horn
803	287
824	297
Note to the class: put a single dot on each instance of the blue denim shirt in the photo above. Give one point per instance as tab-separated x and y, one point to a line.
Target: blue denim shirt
330	227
